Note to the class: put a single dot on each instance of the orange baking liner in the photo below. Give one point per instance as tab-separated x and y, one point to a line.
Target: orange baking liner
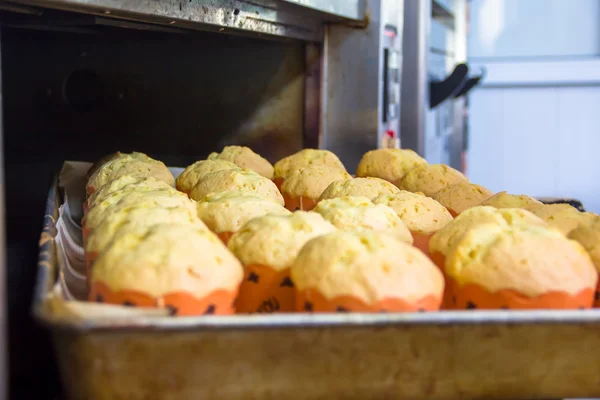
278	182
225	236
266	290
597	296
471	296
439	260
421	242
298	203
452	212
311	300
218	302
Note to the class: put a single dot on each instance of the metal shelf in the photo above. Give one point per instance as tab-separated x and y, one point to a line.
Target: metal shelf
296	19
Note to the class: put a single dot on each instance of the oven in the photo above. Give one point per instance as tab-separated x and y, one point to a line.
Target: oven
176	79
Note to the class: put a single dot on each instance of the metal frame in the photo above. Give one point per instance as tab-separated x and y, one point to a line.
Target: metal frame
297	19
3	265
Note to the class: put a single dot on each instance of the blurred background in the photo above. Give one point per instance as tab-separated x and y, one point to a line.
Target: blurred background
534	121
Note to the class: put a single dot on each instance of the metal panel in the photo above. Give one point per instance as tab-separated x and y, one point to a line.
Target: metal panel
3	298
415	96
300	19
351	120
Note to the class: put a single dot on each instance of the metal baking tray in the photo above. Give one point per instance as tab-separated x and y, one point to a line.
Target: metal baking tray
442	355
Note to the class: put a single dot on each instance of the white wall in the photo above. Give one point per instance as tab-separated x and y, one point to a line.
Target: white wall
534	126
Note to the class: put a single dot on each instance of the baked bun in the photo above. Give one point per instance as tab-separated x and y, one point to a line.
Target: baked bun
302	188
225	213
182	267
125	183
244	157
123	199
562	217
193	173
360	214
430	178
366	272
136	164
443	241
461	196
367	187
236	180
267	247
135	218
505	200
519	267
588	235
101	161
302	159
422	215
388	164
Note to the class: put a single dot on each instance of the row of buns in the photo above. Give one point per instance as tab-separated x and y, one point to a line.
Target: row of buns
234	233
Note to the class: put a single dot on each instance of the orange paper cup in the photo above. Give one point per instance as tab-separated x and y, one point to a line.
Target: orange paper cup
298	203
311	300
597	296
471	296
218	302
439	260
225	236
421	242
278	182
266	290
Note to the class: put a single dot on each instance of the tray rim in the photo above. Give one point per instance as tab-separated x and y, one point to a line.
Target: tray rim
46	277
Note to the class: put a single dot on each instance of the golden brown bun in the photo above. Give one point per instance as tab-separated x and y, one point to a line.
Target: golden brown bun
229	211
388	164
360	214
274	240
368	187
420	214
306	158
446	238
588	235
136	164
430	178
562	217
370	266
124	199
236	180
244	157
193	173
312	181
457	198
127	183
531	260
168	258
136	218
100	162
505	200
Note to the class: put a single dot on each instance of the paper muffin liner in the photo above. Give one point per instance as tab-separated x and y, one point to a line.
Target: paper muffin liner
278	182
298	203
472	296
439	260
421	241
266	290
311	300
225	236
217	302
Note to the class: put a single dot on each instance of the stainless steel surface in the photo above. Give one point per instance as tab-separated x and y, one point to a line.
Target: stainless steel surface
443	355
415	94
434	43
3	265
299	19
351	119
349	9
